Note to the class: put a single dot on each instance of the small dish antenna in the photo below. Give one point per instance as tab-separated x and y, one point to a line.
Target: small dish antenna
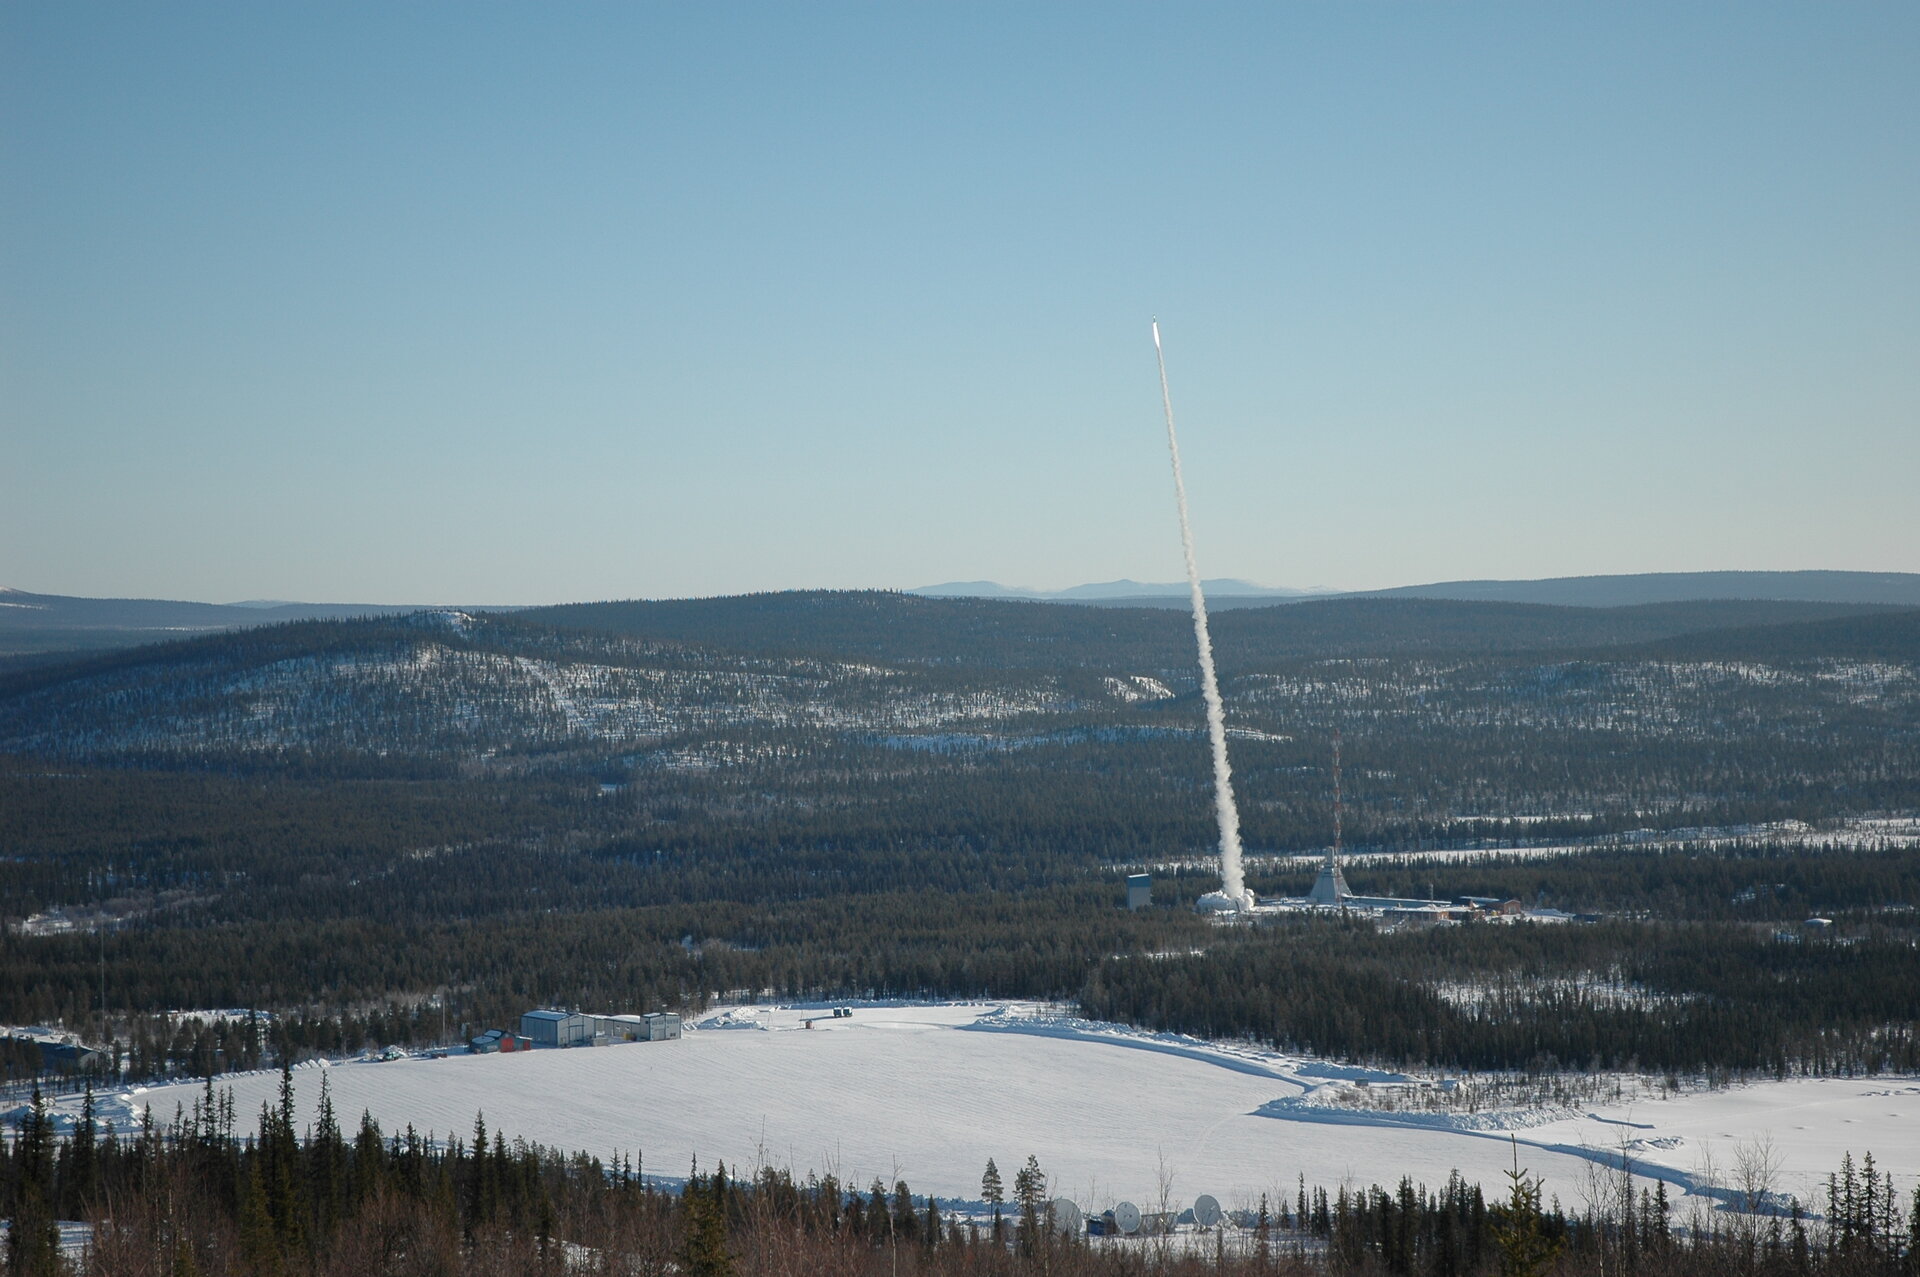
1126	1218
1206	1210
1067	1219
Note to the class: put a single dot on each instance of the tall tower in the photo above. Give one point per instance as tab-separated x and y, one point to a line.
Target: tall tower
1330	888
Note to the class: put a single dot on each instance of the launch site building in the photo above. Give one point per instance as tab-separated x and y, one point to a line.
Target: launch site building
555	1028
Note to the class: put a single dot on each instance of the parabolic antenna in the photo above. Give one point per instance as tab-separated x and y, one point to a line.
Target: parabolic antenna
1126	1217
1067	1219
1206	1210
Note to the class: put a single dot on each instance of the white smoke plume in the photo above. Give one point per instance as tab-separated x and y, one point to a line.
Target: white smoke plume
1232	882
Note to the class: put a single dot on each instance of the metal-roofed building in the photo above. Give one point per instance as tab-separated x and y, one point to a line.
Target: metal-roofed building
557	1028
620	1028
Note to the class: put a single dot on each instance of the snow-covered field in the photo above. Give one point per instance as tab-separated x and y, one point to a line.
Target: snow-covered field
929	1093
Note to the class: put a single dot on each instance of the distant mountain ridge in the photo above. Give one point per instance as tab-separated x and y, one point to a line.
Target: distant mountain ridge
35	625
1123	589
1893	589
1896	589
58	622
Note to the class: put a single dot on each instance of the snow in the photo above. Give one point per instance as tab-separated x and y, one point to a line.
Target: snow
1866	834
927	1093
1134	688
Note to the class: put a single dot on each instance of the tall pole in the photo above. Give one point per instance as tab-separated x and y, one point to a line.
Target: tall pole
1333	857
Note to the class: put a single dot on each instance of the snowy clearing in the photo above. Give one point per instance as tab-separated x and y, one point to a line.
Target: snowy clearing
929	1093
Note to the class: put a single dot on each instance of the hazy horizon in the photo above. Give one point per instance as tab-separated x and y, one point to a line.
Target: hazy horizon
1231	587
392	304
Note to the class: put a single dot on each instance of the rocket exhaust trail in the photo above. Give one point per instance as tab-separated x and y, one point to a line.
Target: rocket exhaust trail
1232	882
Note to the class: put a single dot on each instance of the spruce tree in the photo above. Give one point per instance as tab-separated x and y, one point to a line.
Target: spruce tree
703	1251
1520	1234
257	1243
906	1222
33	1239
879	1217
480	1189
280	1147
327	1163
369	1165
993	1192
1030	1189
81	1166
1913	1235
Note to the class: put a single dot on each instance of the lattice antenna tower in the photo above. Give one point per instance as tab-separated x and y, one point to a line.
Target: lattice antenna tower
1333	856
1330	888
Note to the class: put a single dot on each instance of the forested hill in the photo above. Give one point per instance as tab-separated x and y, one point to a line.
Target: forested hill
34	623
449	685
1877	636
995	633
887	626
1899	589
824	794
834	667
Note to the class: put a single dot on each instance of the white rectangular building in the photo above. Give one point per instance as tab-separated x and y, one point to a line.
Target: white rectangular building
557	1028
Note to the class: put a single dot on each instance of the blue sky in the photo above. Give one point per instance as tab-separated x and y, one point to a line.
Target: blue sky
490	303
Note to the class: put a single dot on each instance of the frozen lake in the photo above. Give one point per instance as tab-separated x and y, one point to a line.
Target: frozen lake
929	1093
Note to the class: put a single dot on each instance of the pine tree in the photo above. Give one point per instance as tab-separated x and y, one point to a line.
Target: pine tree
33	1239
703	1250
280	1147
906	1221
1030	1190
257	1243
369	1166
1520	1234
480	1185
993	1192
1913	1235
327	1163
879	1218
81	1166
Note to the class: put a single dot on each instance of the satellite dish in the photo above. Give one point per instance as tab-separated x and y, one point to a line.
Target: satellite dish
1126	1217
1067	1219
1206	1211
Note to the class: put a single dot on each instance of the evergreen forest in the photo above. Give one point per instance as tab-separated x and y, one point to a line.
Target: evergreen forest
407	830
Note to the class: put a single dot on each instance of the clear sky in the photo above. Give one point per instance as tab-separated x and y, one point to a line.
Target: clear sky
544	302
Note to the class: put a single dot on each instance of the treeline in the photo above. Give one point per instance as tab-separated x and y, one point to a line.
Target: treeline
202	1196
1756	881
1655	996
1746	990
169	849
487	971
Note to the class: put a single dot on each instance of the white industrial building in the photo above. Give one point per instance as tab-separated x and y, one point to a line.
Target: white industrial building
655	1026
619	1028
557	1028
